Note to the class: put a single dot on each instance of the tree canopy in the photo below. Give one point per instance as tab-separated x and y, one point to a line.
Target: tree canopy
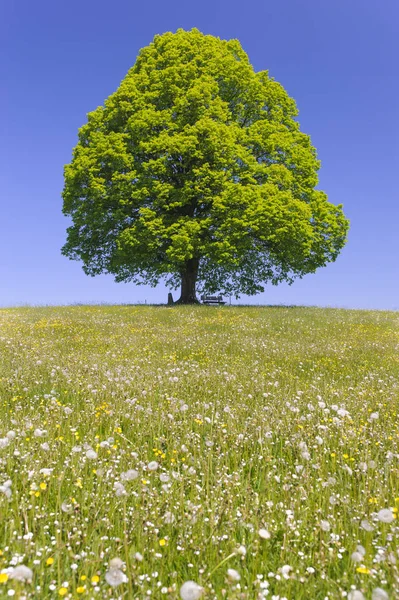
195	171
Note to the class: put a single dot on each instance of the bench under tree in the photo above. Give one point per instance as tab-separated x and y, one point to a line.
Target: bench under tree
212	299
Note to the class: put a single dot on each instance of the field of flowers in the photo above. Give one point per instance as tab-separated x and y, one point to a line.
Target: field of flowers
199	452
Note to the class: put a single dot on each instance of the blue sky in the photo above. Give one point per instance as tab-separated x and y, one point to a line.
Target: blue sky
338	59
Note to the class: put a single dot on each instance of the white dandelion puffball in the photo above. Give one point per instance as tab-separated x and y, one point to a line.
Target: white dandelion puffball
190	591
153	465
385	515
233	575
129	475
21	573
66	508
356	557
366	525
138	556
116	563
4	442
356	595
379	594
91	454
325	525
264	534
115	577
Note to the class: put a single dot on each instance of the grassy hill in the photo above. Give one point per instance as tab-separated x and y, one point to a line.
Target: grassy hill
251	450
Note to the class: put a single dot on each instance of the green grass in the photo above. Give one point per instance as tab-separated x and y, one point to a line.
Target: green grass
283	419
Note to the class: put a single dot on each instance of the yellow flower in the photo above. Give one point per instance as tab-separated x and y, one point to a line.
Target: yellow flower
62	591
50	561
3	577
332	455
363	570
81	589
95	579
83	577
162	542
43	486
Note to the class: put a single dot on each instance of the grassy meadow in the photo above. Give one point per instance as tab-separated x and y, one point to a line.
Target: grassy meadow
251	451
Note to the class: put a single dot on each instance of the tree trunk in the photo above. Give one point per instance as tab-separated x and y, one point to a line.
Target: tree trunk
188	281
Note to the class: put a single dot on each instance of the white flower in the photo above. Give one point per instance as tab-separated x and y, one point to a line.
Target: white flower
379	594
129	475
373	417
115	577
355	595
366	525
325	525
242	550
169	518
40	432
138	556
385	515
11	435
6	488
45	446
164	477
264	534
66	508
91	454
46	472
4	442
233	575
310	570
285	571
356	557
116	563
22	573
68	410
190	591
119	489
153	465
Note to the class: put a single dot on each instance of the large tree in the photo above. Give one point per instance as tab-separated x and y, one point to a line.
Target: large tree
195	171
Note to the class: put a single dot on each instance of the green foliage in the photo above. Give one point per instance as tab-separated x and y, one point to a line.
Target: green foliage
196	157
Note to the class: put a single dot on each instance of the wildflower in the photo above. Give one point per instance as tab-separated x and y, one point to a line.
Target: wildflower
66	508
325	525
190	591
153	465
6	489
355	595
264	534
91	454
3	577
162	542
62	591
242	550
363	570
138	556
366	525
379	594
116	563
285	571
81	589
385	515
95	579
43	486
50	561
129	475
40	433
22	573
119	489
233	575
115	577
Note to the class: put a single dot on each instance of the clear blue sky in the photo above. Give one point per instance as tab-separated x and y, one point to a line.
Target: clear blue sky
337	58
